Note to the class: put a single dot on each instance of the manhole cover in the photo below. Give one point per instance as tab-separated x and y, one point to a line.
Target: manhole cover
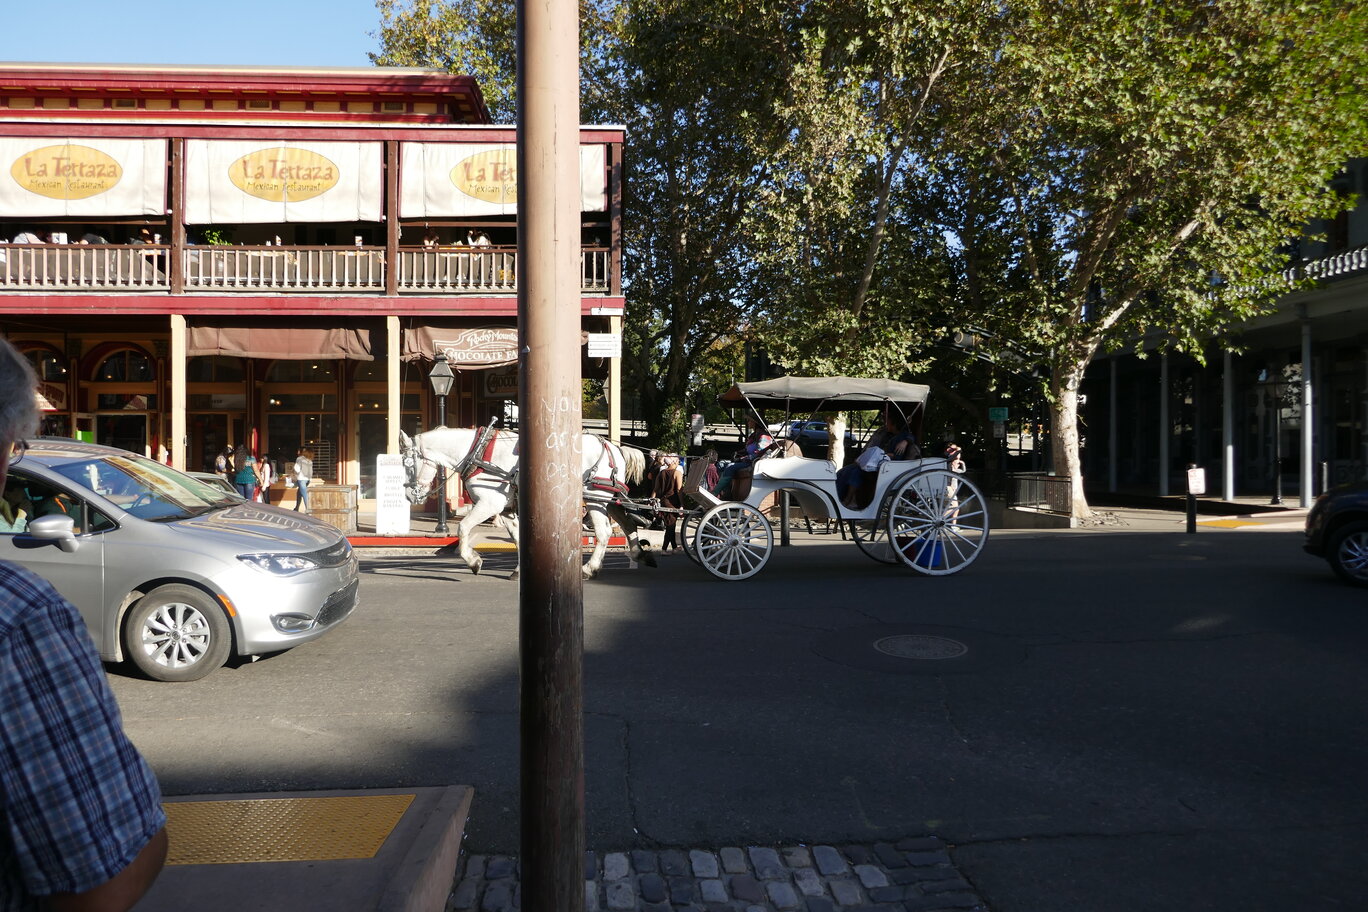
920	646
918	649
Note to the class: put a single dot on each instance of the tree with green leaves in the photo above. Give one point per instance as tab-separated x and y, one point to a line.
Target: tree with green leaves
1126	170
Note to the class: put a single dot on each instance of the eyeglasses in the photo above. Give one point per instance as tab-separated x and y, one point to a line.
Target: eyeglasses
17	450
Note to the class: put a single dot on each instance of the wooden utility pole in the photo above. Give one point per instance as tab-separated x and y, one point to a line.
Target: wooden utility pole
551	601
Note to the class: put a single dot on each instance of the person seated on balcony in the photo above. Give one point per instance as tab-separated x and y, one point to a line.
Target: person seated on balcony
476	237
91	237
29	236
430	238
144	236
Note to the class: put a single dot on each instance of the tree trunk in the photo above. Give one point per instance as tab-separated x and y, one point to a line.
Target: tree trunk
1064	436
836	448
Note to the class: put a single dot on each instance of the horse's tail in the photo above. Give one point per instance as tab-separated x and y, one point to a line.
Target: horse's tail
636	464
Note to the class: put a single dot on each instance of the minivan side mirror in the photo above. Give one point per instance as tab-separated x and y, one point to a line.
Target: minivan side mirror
55	528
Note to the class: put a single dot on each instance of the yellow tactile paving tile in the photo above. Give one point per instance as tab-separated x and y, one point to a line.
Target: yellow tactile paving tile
281	829
1229	523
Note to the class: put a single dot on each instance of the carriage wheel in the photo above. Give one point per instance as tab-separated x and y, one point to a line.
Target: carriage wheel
937	522
688	529
872	538
733	541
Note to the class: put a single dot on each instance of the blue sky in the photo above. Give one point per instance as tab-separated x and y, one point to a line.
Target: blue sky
244	32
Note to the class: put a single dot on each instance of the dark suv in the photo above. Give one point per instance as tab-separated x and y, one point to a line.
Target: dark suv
1337	530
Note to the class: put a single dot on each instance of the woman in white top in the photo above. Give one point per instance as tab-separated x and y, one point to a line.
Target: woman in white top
303	473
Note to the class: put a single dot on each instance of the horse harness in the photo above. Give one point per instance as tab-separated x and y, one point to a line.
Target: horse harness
600	484
477	459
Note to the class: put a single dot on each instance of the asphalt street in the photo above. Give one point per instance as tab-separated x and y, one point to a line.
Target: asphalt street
1106	719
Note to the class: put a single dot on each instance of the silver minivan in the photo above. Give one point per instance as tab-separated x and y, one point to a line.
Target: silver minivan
170	572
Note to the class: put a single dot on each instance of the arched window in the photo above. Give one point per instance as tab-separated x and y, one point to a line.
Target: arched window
126	367
47	364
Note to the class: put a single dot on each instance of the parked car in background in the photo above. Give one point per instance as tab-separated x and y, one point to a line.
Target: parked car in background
172	573
1337	530
215	480
812	434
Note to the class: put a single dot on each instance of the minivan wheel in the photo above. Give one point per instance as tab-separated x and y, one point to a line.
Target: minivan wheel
177	633
1348	553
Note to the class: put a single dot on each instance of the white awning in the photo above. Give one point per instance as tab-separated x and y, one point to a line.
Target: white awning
237	181
442	180
51	177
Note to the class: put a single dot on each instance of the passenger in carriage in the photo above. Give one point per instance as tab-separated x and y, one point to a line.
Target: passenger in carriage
895	440
757	442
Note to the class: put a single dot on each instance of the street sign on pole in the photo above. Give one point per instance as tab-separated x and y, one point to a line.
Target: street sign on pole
997	413
999	430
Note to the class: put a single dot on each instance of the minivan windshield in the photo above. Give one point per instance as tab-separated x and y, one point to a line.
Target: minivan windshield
146	489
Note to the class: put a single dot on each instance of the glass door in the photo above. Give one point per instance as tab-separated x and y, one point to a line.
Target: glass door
127	432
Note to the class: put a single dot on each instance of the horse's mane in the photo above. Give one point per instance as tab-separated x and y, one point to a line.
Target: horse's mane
636	464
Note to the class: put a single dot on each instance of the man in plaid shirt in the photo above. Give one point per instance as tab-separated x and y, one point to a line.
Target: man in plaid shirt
81	824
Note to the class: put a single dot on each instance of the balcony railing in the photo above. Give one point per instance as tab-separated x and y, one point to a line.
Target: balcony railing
81	267
354	270
329	269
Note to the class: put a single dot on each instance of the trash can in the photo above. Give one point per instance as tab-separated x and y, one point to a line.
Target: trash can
334	504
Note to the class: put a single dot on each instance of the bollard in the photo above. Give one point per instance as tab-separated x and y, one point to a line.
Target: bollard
1191	513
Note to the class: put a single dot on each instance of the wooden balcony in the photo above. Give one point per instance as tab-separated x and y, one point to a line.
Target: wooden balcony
142	268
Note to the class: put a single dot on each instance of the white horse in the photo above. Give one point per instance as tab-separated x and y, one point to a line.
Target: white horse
490	475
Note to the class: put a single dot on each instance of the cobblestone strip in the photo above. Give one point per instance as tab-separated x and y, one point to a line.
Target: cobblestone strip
912	875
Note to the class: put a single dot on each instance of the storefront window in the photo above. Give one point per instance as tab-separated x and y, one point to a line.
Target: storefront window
301	372
125	402
299	402
286	434
217	369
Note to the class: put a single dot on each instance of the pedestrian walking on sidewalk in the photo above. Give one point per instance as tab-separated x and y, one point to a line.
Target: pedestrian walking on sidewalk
303	474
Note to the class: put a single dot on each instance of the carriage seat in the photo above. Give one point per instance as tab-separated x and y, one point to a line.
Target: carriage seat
780	449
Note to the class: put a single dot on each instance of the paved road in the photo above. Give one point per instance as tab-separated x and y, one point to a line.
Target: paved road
1141	721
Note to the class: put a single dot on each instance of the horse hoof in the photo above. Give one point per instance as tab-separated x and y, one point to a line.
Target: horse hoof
648	558
513	575
475	569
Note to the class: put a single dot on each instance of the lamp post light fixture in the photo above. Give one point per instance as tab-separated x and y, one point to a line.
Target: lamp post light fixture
441	379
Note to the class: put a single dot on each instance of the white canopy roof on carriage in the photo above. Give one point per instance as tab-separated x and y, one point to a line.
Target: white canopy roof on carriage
813	393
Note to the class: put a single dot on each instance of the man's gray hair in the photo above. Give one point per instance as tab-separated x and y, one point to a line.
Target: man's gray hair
18	402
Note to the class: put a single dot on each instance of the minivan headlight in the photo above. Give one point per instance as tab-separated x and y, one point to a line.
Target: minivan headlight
279	564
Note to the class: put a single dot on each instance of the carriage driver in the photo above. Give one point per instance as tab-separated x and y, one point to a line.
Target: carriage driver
756	443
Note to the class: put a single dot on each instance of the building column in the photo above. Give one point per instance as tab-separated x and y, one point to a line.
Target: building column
1308	417
615	386
1165	432
1112	435
177	363
1227	426
393	388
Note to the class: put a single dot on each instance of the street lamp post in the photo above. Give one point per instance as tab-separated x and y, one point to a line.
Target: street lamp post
1275	398
441	379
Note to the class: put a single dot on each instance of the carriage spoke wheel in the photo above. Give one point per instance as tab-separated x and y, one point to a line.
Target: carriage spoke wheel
872	538
937	522
688	529
733	541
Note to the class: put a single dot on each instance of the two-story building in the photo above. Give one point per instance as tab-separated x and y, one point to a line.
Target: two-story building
198	257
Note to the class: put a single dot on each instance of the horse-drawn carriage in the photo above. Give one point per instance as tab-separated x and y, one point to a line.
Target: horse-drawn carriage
918	512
